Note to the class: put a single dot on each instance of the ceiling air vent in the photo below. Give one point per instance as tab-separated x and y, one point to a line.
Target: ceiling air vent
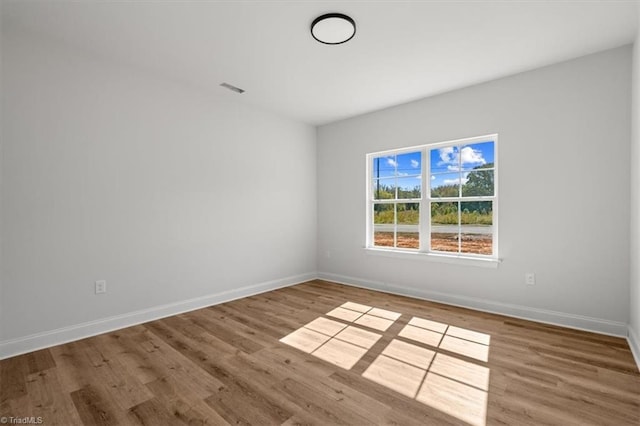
232	87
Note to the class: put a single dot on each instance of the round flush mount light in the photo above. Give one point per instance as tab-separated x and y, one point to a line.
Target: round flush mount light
333	28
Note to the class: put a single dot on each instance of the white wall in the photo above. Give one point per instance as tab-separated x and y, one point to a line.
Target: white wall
168	194
634	317
564	135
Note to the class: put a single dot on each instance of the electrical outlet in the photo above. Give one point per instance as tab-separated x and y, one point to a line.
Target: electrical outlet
530	278
101	287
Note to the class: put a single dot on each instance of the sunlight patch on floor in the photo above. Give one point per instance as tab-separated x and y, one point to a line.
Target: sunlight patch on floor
400	367
396	375
339	343
340	353
421	335
356	307
464	342
372	321
454	398
463	371
455	386
306	340
382	313
325	326
345	314
466	348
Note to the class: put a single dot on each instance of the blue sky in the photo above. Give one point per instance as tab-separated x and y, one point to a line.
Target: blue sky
403	169
449	165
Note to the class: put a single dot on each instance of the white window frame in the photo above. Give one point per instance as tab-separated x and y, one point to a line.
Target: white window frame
425	207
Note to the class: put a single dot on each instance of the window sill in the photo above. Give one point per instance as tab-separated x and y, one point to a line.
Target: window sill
432	257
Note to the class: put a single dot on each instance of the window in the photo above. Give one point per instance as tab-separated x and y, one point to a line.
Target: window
438	198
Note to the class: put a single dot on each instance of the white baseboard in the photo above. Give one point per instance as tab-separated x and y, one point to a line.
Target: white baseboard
602	326
634	344
13	347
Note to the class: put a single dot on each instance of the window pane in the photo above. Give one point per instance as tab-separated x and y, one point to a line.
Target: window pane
408	214
409	187
444	226
477	156
383	239
409	164
445	185
477	227
384	214
384	166
445	159
383	224
478	183
408	219
409	240
384	189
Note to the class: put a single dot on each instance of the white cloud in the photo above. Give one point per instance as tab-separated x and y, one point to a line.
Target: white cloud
447	155
455	181
403	174
469	155
392	162
433	177
415	164
463	180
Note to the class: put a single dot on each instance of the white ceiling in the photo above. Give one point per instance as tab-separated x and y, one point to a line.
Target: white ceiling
402	51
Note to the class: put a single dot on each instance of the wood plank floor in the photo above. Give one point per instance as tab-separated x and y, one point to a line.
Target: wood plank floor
377	359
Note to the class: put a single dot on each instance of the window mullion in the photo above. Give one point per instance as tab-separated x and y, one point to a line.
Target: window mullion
459	171
459	226
425	205
395	223
459	198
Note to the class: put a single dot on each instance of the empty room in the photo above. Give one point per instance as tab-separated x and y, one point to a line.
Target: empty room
319	212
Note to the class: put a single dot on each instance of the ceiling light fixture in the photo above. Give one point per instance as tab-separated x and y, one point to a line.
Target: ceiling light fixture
333	28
